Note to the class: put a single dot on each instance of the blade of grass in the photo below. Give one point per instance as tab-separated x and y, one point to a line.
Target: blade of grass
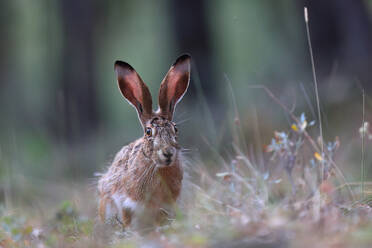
239	132
205	107
316	88
362	167
307	99
257	138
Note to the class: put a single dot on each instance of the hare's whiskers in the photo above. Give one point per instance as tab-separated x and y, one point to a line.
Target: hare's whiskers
182	121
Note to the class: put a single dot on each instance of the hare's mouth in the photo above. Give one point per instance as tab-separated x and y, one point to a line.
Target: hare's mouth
165	159
168	161
165	162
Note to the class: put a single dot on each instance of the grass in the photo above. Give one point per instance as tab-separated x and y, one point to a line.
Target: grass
306	16
363	134
238	205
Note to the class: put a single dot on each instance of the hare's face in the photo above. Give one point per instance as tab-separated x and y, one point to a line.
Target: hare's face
161	137
160	140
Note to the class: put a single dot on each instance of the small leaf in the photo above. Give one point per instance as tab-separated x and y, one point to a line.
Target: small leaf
303	125
226	176
318	156
294	127
27	230
223	174
303	117
277	181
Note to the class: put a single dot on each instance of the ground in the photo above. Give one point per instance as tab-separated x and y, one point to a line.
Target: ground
298	198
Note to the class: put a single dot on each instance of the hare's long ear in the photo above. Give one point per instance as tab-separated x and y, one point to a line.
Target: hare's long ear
134	90
174	86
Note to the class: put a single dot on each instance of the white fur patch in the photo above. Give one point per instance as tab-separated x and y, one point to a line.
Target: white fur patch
114	208
160	154
129	203
156	142
110	212
118	199
122	201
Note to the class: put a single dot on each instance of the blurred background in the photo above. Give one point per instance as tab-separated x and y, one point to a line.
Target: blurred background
62	117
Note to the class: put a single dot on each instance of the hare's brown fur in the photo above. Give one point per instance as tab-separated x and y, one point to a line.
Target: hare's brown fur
145	177
140	181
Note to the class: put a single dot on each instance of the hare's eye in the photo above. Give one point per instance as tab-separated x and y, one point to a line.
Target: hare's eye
148	131
175	129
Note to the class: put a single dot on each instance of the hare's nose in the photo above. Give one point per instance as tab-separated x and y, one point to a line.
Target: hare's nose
168	152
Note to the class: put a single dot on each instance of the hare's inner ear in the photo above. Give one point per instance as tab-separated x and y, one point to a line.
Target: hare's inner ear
174	86
134	90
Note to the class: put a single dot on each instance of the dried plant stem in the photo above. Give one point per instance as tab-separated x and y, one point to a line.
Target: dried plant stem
362	173
354	184
316	88
293	117
305	133
239	136
206	195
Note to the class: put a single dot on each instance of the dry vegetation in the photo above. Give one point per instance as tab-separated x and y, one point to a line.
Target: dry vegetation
297	198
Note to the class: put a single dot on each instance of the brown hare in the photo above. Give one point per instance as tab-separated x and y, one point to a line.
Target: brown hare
145	178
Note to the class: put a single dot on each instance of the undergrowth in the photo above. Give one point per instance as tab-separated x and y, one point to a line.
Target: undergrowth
298	198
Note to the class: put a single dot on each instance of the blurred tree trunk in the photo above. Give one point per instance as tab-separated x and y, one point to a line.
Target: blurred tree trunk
6	21
189	20
6	47
77	100
341	35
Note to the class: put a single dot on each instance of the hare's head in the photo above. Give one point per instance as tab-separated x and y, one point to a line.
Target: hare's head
160	133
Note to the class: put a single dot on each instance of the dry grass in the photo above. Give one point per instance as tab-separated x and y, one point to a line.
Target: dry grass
287	204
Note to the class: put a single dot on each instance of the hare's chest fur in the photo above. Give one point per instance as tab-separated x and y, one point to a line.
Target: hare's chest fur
134	189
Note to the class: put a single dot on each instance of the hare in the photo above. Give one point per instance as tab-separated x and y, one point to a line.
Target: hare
145	178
